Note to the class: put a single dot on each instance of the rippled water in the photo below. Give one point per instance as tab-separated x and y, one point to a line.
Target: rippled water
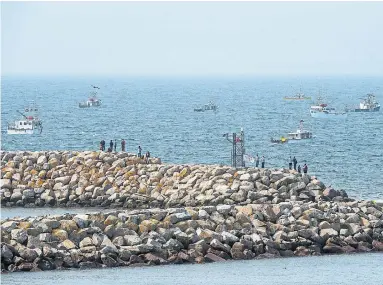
158	115
332	270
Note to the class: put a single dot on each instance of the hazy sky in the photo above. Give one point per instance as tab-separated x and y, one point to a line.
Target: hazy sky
186	38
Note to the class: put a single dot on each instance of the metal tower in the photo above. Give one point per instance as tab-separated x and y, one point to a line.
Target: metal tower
238	149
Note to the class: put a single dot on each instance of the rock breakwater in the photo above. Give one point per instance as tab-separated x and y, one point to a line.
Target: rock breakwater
190	235
172	213
99	179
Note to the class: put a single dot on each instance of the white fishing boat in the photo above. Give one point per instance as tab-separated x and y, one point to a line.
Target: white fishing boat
300	134
28	125
92	101
368	104
322	110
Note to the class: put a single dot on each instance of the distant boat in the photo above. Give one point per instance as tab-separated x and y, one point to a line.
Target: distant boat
92	101
207	107
300	134
28	124
368	104
322	110
281	140
298	96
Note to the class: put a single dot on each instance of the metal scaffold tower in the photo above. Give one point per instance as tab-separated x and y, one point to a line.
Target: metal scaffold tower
238	149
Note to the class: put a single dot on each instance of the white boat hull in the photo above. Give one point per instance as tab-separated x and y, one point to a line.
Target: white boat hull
328	115
20	132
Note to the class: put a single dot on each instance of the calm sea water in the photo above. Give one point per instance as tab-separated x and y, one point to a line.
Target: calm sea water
157	113
332	270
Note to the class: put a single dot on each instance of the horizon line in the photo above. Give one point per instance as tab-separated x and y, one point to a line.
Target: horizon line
183	75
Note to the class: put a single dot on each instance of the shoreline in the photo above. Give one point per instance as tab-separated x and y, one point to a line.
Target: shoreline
172	213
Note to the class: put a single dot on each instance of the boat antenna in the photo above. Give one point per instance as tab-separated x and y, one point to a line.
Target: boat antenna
22	114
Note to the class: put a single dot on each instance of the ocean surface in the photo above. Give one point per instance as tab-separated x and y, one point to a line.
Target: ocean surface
157	113
353	269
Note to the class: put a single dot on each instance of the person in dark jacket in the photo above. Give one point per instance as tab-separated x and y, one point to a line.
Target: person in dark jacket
123	145
299	169
139	151
147	156
305	168
111	144
257	161
102	145
295	163
290	163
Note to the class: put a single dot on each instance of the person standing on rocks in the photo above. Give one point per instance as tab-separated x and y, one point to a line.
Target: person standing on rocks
102	145
290	163
257	161
147	156
123	145
305	168
295	163
115	145
111	145
263	161
139	151
299	168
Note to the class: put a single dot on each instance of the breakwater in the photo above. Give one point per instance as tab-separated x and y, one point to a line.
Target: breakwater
35	179
184	213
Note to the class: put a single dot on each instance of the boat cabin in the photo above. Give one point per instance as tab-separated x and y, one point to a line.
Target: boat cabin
299	135
20	126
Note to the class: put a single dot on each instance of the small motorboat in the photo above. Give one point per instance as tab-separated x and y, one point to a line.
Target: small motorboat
92	101
281	140
300	134
207	107
322	110
298	96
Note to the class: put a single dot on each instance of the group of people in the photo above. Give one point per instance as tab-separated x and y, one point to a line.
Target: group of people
112	145
146	156
257	161
293	161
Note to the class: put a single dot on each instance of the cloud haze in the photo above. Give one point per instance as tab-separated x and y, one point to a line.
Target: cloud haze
186	38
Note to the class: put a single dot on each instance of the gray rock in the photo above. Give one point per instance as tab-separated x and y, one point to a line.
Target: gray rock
6	254
178	217
224	209
237	251
27	254
19	235
173	245
229	238
132	240
212	257
216	244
